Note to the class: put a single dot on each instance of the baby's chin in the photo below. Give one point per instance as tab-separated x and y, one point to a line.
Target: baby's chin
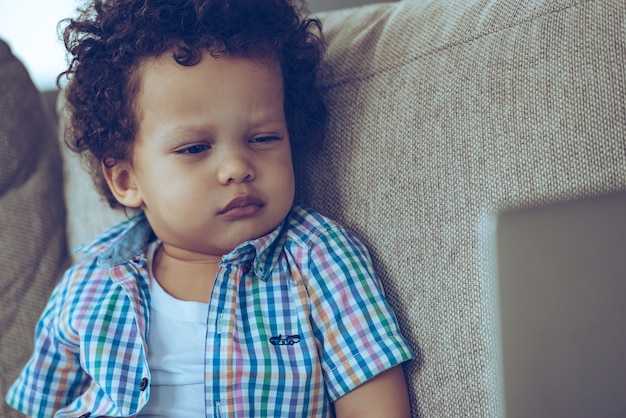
245	239
199	244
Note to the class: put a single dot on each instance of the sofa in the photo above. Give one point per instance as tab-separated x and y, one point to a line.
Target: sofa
443	115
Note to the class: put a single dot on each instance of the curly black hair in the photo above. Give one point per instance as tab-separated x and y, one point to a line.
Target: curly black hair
110	38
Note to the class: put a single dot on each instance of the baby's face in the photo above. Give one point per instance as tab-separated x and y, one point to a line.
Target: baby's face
212	160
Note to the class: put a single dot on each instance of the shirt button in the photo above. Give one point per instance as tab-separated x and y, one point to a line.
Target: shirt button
143	385
246	268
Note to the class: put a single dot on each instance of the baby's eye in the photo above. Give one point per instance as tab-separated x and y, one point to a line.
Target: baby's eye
263	139
193	149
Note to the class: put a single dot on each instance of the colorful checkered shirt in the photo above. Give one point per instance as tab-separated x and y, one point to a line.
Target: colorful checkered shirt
296	319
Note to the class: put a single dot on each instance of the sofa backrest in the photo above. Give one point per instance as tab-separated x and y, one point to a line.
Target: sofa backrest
444	114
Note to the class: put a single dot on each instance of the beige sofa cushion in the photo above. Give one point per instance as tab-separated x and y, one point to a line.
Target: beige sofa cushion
444	114
33	253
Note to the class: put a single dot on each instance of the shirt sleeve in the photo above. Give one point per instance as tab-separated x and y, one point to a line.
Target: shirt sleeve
353	322
53	376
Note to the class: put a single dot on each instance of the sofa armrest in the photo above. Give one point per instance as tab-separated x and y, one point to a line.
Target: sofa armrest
33	251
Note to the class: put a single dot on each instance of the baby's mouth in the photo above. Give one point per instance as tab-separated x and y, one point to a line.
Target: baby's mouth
242	206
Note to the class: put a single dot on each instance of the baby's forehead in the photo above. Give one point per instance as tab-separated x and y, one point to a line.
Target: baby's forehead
208	69
177	101
165	68
181	56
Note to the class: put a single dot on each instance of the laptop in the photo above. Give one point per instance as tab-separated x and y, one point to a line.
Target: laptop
561	274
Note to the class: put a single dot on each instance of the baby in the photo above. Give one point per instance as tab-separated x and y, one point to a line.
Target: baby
221	296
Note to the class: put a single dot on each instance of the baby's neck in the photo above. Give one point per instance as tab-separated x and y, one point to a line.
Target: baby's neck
185	276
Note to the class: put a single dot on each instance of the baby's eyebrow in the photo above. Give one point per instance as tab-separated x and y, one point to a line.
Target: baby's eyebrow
193	131
185	131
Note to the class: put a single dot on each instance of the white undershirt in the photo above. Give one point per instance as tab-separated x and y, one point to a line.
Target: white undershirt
176	345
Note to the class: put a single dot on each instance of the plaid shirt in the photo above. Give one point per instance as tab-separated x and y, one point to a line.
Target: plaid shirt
296	319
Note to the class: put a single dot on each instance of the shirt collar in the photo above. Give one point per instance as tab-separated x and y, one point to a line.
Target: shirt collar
263	252
128	240
121	242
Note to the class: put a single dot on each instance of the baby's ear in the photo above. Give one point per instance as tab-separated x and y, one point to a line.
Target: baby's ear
120	179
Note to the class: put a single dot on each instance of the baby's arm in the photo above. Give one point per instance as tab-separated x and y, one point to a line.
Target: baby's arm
384	396
53	375
361	344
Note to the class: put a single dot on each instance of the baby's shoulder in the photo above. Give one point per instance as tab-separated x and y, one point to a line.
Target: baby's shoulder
86	276
308	228
91	272
305	226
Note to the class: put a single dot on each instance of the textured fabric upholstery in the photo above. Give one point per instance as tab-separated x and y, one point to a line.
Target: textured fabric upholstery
33	253
444	114
88	213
